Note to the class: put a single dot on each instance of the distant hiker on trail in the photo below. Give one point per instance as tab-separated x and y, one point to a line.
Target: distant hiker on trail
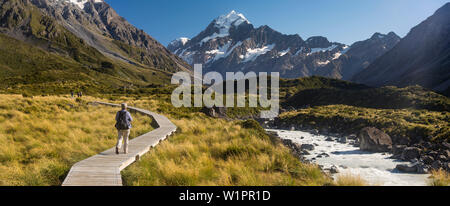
71	93
123	126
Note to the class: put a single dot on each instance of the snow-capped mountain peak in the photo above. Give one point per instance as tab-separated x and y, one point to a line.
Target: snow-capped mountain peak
232	18
221	25
230	43
81	3
178	42
183	40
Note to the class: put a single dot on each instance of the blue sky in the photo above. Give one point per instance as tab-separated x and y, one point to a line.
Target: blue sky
344	21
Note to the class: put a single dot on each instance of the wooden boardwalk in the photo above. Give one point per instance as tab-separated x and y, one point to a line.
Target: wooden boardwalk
104	169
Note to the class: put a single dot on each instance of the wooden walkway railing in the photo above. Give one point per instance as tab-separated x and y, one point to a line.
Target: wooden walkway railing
104	169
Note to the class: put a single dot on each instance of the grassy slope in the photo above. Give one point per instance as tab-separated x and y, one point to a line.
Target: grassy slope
42	137
31	69
145	57
53	60
318	91
398	123
25	20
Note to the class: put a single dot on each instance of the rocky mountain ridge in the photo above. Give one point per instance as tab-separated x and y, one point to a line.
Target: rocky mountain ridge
99	25
231	43
422	57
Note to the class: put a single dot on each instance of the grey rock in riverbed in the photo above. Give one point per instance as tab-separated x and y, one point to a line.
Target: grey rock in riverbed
417	167
343	140
398	149
334	170
304	152
315	132
374	140
434	154
446	145
343	167
308	147
323	155
443	158
428	159
411	153
353	137
436	165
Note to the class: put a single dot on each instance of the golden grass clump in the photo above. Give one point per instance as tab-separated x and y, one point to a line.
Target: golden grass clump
216	152
439	178
350	180
42	137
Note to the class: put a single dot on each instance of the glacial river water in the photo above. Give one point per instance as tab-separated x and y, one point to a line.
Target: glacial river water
375	168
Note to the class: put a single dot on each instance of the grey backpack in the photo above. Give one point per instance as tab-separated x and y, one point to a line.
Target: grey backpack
122	122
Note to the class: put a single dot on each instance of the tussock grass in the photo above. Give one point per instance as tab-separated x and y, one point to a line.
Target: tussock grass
403	123
439	178
211	152
42	137
208	152
349	180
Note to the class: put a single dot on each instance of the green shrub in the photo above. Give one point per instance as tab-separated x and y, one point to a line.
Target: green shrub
251	124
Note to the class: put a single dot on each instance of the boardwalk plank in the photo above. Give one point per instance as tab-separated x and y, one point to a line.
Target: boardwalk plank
104	169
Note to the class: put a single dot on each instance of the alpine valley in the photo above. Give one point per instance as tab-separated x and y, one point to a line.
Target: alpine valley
378	109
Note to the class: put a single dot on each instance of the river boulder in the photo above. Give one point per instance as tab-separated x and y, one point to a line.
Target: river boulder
436	165
217	112
428	159
308	147
417	167
398	149
334	170
323	155
443	158
374	140
343	140
353	137
315	132
411	153
446	145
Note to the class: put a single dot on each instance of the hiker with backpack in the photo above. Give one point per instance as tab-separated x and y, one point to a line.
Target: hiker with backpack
123	126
